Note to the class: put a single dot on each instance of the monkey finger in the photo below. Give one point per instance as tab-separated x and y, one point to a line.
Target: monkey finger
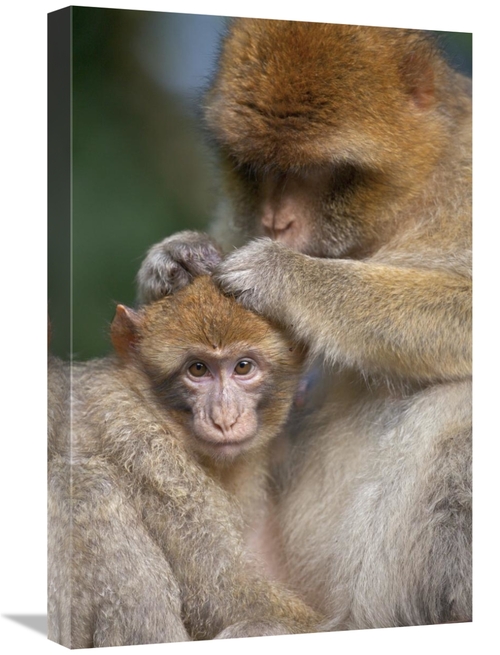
251	274
156	281
172	264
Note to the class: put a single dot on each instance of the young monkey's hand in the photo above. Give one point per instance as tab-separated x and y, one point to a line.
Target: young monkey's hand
172	264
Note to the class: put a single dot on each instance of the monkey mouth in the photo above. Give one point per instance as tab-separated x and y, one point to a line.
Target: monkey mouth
226	448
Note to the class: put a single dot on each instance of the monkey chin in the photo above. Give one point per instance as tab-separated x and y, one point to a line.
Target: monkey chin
223	451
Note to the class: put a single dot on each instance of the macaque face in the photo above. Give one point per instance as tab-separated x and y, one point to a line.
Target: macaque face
226	375
222	390
310	210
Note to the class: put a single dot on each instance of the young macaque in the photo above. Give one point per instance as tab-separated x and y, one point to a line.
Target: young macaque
347	151
163	482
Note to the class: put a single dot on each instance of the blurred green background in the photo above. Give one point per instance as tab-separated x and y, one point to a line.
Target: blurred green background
140	169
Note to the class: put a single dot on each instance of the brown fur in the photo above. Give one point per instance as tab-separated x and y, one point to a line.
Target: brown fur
145	533
350	147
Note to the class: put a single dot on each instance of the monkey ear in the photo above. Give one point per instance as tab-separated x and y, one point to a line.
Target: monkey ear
417	70
125	330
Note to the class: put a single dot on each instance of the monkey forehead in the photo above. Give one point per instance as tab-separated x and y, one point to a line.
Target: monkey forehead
281	83
200	316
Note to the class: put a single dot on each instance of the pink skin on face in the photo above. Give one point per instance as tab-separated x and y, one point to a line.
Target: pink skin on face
225	392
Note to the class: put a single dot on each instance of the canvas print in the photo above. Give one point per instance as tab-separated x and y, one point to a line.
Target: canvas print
259	372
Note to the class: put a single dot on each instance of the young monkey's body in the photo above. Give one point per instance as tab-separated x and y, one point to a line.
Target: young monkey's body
236	418
165	477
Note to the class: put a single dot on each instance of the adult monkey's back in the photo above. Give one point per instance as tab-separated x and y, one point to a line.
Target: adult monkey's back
351	148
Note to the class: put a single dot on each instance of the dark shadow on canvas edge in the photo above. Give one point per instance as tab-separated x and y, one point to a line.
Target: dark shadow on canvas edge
37	622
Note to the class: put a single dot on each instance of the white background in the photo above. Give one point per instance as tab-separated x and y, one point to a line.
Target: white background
23	321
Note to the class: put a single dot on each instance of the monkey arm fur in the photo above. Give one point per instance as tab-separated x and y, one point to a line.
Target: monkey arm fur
381	318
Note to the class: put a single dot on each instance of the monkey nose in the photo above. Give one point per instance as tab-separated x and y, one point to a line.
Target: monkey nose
225	424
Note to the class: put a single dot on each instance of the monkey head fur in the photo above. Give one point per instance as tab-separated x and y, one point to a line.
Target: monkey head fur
226	375
324	136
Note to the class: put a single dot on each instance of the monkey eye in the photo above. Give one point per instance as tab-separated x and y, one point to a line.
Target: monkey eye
198	369
243	367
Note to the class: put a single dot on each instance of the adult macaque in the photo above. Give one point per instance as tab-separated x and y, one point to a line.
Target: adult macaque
350	149
162	486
